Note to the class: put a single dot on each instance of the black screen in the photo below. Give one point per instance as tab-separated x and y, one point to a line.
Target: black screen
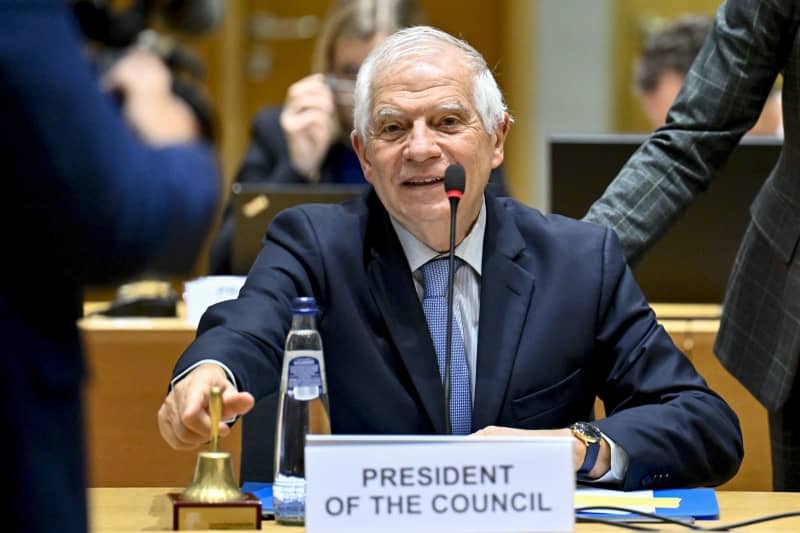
256	204
691	262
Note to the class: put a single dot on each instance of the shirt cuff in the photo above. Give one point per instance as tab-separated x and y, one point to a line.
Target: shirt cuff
224	367
619	464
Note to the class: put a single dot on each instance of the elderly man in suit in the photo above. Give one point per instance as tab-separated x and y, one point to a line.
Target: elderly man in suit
751	43
547	315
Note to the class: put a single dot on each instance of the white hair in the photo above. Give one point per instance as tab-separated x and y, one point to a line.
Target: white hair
425	41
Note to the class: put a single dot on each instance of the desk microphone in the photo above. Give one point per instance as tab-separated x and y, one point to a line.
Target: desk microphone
454	182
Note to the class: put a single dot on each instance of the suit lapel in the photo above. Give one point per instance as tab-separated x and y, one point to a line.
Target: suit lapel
506	292
392	286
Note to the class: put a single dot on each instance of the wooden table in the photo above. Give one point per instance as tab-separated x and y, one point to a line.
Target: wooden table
122	510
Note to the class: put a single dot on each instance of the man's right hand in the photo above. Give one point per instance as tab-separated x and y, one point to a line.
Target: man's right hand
309	122
183	418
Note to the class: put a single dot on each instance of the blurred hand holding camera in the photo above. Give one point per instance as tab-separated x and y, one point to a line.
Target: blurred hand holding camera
310	123
149	105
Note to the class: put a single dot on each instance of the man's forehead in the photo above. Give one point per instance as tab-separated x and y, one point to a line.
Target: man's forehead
426	59
427	84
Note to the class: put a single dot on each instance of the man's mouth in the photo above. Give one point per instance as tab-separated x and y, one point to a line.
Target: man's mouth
423	181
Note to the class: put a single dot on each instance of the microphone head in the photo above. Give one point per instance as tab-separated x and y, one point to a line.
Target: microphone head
454	181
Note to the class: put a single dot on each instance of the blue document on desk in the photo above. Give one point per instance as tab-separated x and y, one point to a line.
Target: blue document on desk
262	491
700	503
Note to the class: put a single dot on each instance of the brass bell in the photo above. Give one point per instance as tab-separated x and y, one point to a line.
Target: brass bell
213	476
213	479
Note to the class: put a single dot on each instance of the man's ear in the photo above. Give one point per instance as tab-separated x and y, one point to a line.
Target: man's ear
500	134
360	148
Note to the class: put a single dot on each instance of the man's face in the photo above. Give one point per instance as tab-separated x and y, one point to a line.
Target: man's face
656	103
421	121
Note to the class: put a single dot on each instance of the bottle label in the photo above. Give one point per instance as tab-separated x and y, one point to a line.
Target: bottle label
304	378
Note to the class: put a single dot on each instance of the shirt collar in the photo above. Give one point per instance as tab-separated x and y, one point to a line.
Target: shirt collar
470	250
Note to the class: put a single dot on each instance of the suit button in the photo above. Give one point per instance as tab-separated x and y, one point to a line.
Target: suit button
647	481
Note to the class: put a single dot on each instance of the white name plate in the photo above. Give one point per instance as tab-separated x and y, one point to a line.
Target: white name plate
432	483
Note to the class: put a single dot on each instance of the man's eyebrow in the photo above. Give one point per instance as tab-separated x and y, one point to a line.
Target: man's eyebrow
453	106
391	112
387	112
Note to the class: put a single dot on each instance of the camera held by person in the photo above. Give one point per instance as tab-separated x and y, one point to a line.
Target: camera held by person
115	34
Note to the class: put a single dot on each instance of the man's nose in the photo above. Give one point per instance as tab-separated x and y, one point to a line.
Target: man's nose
422	143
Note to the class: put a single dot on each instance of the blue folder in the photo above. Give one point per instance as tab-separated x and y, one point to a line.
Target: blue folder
262	491
700	504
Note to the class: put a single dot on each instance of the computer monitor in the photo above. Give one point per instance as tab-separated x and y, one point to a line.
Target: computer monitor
256	204
692	261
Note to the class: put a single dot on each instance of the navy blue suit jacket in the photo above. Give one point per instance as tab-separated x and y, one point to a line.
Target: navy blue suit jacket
85	202
561	322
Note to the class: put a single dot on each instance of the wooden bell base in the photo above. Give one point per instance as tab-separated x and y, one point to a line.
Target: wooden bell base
187	515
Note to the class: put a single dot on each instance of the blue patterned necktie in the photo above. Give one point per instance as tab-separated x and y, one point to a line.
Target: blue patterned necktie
434	304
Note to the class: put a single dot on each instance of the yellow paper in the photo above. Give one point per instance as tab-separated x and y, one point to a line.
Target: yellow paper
620	500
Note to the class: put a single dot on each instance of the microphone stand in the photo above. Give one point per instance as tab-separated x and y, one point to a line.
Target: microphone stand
451	262
454	184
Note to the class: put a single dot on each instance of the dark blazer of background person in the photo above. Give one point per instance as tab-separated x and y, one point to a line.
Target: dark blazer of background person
751	43
84	202
561	321
267	161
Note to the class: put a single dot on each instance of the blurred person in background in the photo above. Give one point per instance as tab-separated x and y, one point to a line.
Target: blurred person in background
92	199
158	83
307	139
112	34
666	59
153	111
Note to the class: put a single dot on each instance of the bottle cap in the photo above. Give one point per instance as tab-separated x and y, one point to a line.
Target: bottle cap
304	305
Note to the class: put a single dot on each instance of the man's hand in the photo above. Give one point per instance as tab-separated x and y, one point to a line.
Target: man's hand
309	121
602	465
149	105
183	418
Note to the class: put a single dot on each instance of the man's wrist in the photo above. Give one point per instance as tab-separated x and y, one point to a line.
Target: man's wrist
228	373
593	446
603	463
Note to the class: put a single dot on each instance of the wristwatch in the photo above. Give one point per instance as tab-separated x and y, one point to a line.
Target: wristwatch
590	436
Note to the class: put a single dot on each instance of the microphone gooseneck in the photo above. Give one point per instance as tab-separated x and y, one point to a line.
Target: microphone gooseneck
454	184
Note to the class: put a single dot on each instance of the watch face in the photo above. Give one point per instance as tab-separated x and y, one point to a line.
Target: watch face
586	432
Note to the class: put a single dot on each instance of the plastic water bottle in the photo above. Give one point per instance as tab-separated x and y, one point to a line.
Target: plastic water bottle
303	409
